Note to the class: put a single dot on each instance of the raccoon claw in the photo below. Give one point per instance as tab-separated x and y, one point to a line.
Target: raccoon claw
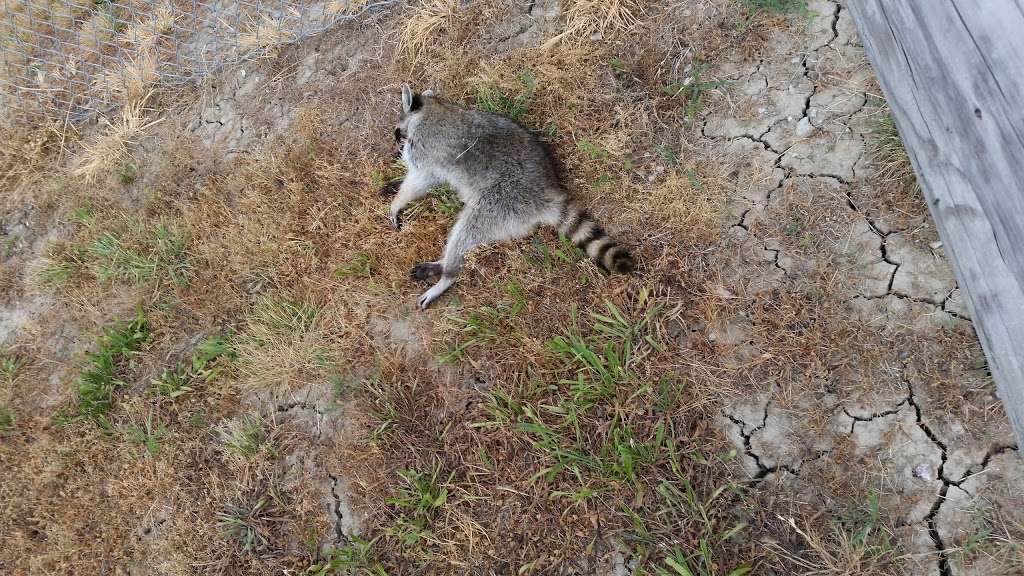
389	189
425	299
425	271
396	220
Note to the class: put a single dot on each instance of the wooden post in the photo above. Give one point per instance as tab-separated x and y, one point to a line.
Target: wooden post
953	74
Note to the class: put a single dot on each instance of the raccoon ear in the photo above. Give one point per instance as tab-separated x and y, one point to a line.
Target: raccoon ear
407	97
411	102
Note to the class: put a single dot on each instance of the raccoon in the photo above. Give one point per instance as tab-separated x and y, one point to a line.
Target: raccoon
507	180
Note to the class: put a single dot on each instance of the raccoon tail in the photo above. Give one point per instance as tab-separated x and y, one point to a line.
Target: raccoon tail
577	225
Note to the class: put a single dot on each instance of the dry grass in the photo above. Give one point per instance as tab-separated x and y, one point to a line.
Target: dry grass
587	19
264	33
424	25
110	146
892	164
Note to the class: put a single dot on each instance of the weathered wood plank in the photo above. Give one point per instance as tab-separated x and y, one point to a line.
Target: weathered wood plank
953	74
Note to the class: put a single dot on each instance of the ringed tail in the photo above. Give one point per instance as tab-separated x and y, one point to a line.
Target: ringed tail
577	225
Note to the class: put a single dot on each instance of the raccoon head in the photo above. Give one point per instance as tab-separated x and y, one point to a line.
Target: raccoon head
412	105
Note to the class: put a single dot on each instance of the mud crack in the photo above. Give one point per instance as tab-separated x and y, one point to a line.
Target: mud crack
335	508
875	415
930	519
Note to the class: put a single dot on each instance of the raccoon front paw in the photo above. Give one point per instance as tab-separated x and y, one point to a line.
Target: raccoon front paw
425	299
390	189
396	220
425	271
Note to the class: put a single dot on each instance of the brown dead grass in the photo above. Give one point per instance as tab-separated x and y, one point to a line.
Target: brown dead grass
586	19
424	26
110	146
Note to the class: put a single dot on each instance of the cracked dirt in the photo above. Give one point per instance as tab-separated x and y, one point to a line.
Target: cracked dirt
851	372
802	126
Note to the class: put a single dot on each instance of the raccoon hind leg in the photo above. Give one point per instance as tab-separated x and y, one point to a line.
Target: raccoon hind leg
477	224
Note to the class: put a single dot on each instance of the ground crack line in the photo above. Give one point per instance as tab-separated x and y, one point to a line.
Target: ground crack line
339	532
930	519
890	412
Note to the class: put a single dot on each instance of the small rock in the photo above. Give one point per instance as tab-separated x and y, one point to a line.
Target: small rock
804	128
935	245
924	472
904	355
723	292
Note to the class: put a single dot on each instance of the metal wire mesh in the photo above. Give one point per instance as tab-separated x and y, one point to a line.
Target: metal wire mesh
74	58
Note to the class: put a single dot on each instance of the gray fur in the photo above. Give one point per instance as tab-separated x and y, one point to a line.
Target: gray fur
505	177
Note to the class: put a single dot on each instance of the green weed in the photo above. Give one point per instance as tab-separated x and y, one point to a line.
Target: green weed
892	163
417	497
146	433
277	315
353	558
171	383
667	154
606	361
112	260
492	99
249	520
593	150
202	367
10	365
6	420
446	200
679	495
542	257
779	6
170	254
100	377
82	214
871	535
385	412
129	173
756	8
601	181
246	436
57	272
488	322
691	90
360	265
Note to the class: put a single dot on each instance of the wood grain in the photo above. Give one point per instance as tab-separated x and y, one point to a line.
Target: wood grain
953	74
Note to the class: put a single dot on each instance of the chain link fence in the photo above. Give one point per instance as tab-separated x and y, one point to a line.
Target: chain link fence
74	58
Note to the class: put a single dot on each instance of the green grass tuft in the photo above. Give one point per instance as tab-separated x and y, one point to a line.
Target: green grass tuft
352	558
490	98
145	433
360	266
892	163
204	366
10	365
101	376
246	436
6	420
690	91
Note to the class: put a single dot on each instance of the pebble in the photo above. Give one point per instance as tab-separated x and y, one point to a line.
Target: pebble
804	128
924	472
